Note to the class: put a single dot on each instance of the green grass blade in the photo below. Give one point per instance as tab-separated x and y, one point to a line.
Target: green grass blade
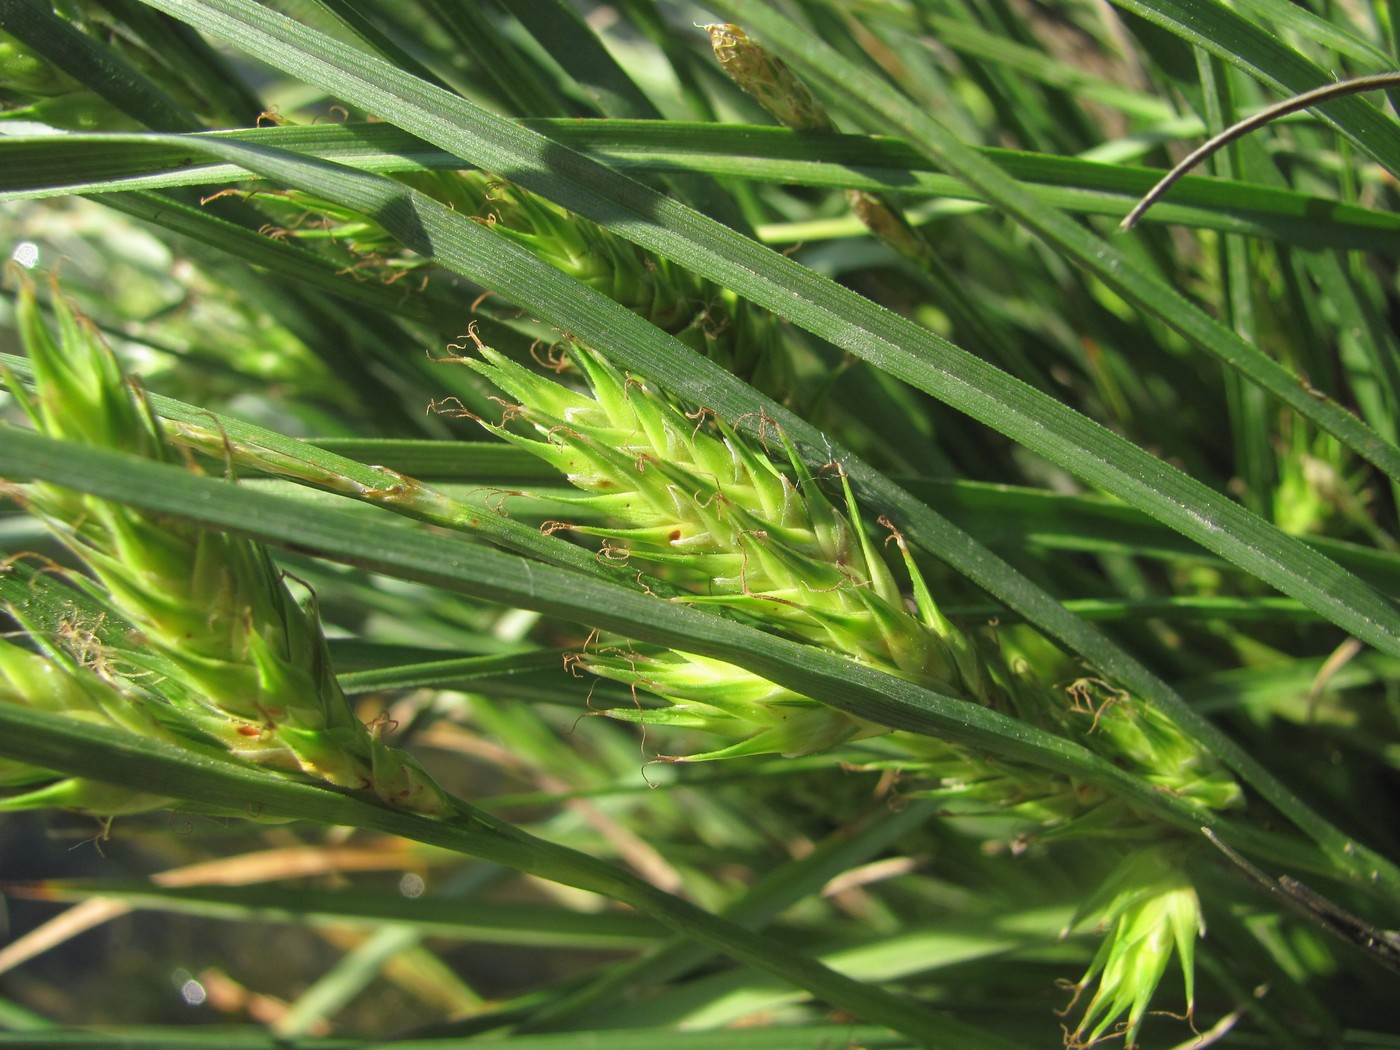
219	1037
451	563
40	166
562	31
100	67
1147	292
490	922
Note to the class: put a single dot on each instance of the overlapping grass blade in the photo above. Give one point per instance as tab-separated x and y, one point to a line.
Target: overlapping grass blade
55	742
497	922
1148	293
91	62
221	1037
44	167
462	245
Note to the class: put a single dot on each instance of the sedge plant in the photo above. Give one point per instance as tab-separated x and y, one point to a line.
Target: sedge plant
937	561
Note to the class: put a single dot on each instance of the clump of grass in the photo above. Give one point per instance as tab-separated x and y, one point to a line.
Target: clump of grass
794	815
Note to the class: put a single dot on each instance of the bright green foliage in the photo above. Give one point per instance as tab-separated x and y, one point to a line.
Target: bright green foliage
1156	470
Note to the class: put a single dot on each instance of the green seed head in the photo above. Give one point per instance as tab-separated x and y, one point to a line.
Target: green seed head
245	662
1142	738
711	511
699	504
1149	909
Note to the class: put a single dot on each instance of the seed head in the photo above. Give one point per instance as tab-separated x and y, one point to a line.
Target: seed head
246	662
767	79
1149	909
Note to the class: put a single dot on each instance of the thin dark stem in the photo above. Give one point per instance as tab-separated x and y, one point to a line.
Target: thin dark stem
1306	100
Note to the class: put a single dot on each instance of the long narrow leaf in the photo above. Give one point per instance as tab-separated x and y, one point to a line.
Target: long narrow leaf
452	563
47	166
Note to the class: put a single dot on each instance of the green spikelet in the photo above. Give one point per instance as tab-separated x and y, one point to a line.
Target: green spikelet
719	515
248	660
700	505
717	697
1150	911
58	684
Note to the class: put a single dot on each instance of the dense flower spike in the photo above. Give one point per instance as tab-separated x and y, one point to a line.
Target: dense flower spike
700	505
1149	909
720	514
717	514
248	660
